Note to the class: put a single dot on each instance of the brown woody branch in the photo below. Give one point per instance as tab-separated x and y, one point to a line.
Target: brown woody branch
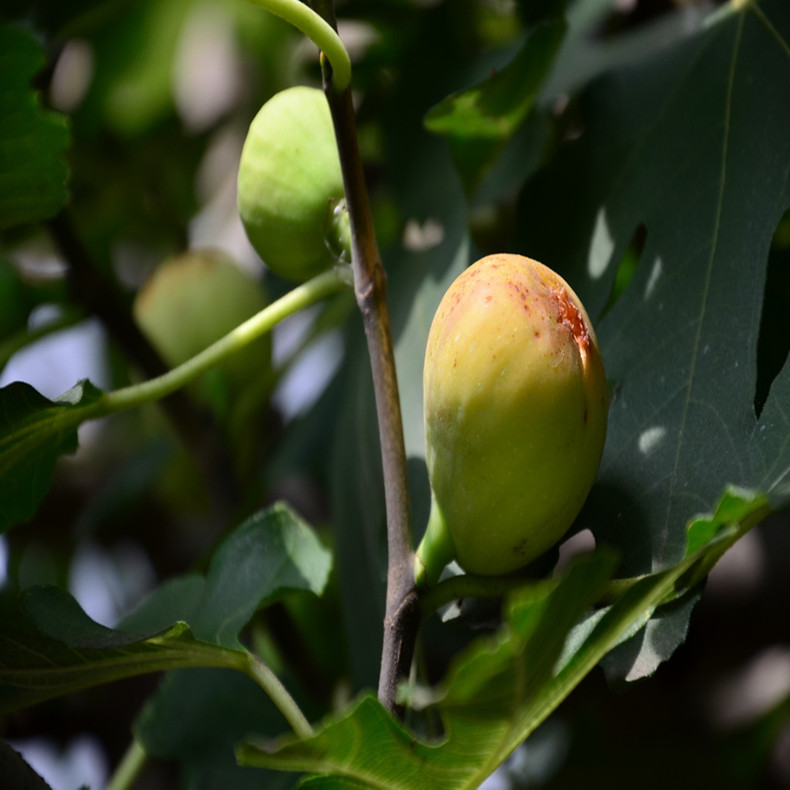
402	614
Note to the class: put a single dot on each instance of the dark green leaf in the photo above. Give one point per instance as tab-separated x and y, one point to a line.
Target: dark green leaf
272	552
501	688
52	648
488	703
32	140
199	716
34	432
16	773
691	144
479	121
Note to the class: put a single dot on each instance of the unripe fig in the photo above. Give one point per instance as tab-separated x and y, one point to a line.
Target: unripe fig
194	299
290	187
516	404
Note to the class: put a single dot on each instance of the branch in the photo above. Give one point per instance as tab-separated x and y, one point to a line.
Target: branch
402	614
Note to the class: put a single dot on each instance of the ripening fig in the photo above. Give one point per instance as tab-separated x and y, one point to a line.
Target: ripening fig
516	404
290	186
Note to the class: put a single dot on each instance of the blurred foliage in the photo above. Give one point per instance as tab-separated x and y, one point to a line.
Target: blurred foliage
639	148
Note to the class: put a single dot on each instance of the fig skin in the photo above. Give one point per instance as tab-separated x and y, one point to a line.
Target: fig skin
290	186
516	401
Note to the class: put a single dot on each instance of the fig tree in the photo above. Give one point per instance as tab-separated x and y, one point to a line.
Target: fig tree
516	402
290	186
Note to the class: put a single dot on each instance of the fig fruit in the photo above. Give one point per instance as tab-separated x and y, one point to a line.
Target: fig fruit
192	300
290	186
516	402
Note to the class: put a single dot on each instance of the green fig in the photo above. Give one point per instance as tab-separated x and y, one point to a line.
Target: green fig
192	300
516	402
290	186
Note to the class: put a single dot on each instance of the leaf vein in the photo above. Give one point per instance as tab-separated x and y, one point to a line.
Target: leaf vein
708	273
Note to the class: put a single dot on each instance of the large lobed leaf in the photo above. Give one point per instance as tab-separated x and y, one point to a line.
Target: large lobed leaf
50	647
692	146
499	690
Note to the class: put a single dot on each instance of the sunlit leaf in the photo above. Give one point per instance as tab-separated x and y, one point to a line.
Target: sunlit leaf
480	120
500	689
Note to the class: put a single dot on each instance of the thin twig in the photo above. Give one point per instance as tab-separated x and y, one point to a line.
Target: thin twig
402	612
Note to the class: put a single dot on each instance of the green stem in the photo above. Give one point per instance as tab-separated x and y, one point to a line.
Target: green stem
323	35
16	445
270	683
262	322
129	768
435	551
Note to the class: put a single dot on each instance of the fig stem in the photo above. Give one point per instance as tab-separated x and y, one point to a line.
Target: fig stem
435	551
156	388
258	671
401	617
319	31
129	768
253	328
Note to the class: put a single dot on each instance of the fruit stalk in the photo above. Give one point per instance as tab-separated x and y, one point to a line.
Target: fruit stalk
317	28
402	612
